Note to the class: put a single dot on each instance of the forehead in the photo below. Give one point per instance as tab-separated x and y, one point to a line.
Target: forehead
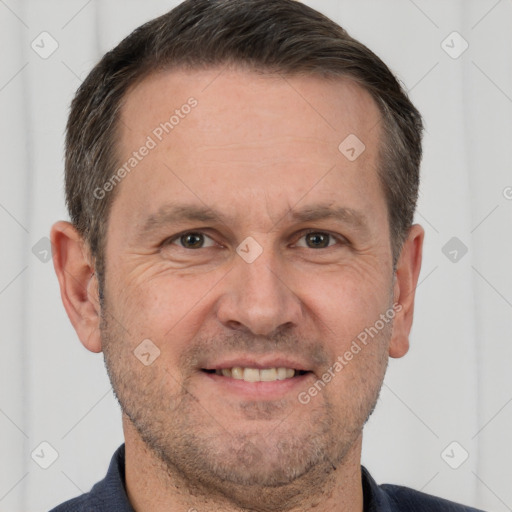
323	105
240	139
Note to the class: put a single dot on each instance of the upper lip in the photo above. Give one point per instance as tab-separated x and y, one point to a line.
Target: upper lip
260	363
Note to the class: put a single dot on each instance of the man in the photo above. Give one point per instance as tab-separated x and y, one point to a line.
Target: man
241	177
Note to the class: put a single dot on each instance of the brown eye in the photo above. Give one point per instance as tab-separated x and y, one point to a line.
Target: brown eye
317	240
193	240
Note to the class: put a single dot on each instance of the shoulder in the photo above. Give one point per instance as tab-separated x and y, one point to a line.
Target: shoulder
406	499
84	503
101	498
108	495
397	498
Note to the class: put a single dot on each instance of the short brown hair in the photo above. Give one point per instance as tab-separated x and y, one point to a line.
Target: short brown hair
278	36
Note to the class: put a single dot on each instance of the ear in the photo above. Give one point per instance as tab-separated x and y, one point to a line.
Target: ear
78	283
406	280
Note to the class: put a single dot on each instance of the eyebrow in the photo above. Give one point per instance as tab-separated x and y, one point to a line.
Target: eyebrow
175	213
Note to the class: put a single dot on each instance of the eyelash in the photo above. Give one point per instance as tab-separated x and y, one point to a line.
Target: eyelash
339	239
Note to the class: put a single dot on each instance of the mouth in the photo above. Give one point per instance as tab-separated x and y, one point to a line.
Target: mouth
251	383
261	377
248	374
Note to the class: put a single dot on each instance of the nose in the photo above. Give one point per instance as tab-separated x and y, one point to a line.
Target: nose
258	297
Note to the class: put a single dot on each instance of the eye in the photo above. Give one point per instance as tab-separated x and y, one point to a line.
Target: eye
318	240
198	240
191	240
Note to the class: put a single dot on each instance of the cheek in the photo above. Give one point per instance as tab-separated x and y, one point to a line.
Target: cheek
165	306
348	300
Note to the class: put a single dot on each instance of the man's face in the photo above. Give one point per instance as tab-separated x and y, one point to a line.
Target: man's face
268	281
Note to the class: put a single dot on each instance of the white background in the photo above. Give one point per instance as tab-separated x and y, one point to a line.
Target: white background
456	382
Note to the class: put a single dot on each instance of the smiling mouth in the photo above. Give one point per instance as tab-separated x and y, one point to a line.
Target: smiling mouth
257	374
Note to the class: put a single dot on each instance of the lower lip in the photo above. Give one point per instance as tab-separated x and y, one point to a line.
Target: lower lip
262	390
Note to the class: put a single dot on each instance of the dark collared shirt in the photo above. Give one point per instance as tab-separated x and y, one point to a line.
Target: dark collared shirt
109	495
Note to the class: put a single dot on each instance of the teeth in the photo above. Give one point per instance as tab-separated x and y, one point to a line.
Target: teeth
282	373
236	373
268	375
256	375
252	375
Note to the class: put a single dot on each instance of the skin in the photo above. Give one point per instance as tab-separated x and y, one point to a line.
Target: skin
255	149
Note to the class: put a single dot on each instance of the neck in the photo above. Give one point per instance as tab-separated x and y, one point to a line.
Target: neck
153	486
